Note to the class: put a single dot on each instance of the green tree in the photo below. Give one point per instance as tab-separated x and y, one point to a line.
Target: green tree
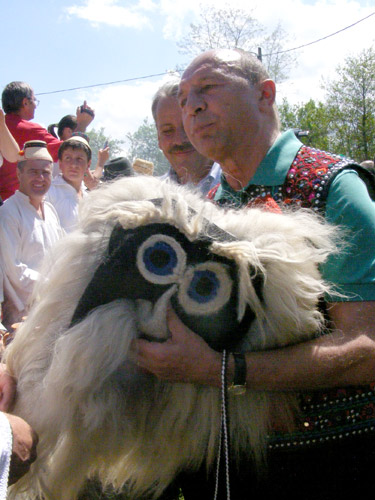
236	28
310	117
144	144
351	103
97	141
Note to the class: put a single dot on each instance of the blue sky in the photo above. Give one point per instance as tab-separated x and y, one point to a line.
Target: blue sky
61	44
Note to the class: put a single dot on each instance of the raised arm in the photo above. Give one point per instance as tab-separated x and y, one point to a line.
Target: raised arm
8	146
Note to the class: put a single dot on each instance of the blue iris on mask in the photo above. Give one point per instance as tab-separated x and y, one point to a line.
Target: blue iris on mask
160	259
204	286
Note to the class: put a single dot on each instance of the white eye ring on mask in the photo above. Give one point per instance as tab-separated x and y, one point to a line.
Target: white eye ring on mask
205	288
161	259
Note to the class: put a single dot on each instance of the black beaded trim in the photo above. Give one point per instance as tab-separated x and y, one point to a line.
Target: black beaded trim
330	416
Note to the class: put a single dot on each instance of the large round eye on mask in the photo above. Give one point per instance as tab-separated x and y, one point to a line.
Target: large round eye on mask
161	259
205	288
207	303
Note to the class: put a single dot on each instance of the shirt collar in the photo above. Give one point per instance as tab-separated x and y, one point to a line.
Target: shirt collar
275	165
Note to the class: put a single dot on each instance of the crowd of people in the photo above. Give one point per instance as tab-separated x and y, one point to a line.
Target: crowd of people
219	129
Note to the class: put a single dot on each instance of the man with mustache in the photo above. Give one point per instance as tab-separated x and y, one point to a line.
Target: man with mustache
187	165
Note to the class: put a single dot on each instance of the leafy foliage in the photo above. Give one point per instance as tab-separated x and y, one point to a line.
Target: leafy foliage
351	103
345	123
310	117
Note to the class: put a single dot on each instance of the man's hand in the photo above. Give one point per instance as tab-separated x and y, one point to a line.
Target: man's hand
103	157
7	389
91	182
83	118
25	441
184	357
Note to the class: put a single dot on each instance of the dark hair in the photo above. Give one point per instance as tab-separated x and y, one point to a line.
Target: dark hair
13	95
68	121
71	143
169	89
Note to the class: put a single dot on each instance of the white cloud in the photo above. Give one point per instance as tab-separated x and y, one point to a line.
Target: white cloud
109	12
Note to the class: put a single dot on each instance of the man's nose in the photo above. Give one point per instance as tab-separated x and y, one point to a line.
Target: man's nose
181	136
194	103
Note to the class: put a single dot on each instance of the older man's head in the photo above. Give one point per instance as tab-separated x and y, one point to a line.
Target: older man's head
228	106
189	165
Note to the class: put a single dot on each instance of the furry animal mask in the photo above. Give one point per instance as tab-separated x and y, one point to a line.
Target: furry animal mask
245	279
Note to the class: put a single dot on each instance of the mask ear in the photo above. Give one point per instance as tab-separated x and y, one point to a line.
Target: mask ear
108	282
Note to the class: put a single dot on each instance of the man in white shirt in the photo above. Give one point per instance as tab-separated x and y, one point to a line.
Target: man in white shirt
187	165
67	188
28	228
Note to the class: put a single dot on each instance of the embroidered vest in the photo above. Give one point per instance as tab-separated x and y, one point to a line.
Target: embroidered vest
311	175
333	414
306	184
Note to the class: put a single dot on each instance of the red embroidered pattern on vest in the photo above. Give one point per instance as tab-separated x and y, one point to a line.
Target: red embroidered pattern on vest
309	177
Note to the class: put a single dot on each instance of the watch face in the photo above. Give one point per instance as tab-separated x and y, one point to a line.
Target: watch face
237	390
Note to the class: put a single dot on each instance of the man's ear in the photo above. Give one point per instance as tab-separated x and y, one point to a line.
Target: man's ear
88	164
25	102
268	92
158	139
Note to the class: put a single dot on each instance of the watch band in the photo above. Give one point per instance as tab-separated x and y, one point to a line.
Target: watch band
238	386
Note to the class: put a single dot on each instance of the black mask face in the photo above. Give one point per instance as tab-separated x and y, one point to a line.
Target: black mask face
147	261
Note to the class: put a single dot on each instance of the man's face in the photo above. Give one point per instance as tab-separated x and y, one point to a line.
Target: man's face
73	165
173	141
35	178
220	109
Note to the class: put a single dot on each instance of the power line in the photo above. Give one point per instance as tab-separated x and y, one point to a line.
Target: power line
102	84
321	39
168	72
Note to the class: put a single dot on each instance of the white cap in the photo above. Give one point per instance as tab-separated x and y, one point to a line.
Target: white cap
34	150
78	138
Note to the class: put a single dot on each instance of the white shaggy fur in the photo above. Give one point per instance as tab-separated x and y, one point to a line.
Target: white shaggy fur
95	413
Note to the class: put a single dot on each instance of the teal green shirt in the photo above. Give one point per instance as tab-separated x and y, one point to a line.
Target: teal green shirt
352	270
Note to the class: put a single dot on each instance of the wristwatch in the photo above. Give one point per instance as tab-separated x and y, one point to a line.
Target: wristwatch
238	386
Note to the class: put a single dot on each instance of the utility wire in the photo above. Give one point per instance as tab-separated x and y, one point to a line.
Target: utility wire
169	71
320	39
101	84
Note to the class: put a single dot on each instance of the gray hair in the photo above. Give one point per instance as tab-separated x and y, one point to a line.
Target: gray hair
169	89
14	94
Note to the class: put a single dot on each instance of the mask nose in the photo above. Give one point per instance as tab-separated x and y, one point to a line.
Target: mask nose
152	317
